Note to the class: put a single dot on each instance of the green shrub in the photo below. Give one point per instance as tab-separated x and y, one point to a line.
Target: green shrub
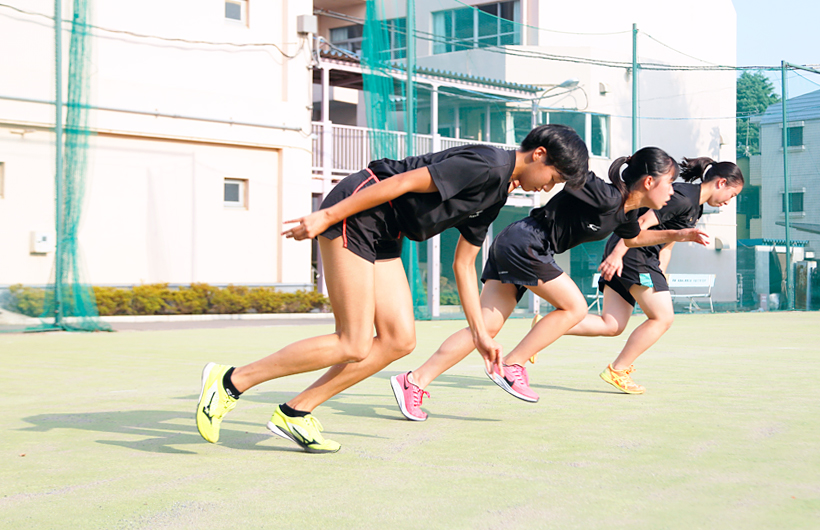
267	300
26	300
114	301
159	299
151	299
193	300
231	300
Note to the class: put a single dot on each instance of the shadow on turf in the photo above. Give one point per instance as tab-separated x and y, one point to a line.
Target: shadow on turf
160	429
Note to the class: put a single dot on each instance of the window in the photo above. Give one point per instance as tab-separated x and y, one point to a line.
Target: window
236	193
348	37
599	135
795	136
237	10
576	120
397	33
486	25
795	202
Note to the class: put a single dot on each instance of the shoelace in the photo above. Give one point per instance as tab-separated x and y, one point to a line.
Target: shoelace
418	396
310	418
519	373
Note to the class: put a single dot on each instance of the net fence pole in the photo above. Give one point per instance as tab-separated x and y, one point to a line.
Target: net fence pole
58	179
786	194
634	87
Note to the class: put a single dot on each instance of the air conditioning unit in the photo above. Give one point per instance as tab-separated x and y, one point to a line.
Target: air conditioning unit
43	242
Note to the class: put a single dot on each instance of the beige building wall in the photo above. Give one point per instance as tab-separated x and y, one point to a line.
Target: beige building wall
172	121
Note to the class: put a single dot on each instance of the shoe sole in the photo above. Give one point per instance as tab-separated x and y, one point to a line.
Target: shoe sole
506	387
399	395
613	383
278	431
205	372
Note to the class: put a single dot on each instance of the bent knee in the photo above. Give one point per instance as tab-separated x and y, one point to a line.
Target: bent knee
665	320
355	351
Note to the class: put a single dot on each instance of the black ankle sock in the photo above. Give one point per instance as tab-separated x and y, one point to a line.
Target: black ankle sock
228	384
293	413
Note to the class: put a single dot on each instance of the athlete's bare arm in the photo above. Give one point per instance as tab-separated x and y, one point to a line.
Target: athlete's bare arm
659	237
415	181
613	264
467	283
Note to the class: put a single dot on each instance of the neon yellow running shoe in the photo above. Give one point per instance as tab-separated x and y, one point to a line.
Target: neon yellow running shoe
305	431
621	380
214	402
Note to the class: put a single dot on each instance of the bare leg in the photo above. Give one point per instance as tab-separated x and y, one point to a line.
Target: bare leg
660	314
351	289
570	308
612	321
497	303
395	338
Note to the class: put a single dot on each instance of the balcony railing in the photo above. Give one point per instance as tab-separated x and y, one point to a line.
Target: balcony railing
350	146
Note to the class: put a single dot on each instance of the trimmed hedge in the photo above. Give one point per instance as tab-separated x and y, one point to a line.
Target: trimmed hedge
196	299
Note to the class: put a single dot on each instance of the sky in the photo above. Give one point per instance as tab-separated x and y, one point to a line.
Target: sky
766	36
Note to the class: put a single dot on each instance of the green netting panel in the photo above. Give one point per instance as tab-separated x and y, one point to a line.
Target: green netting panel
389	110
69	302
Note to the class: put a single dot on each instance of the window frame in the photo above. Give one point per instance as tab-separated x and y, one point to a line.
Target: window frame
792	195
244	9
451	42
242	203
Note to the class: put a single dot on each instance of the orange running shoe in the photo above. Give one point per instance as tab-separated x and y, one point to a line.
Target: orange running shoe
621	380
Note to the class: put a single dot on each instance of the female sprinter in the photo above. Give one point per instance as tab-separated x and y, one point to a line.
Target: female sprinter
521	258
360	226
634	274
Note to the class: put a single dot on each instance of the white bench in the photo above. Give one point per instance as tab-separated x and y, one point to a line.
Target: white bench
596	298
691	287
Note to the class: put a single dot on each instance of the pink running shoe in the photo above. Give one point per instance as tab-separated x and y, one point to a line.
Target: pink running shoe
409	397
516	381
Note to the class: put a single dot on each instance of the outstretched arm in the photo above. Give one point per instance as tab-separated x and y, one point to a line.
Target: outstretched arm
310	226
467	284
659	237
613	264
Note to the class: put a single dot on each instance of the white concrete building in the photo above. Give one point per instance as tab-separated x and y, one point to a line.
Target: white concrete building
199	150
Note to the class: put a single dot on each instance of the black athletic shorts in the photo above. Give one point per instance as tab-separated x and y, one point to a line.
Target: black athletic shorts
521	255
372	234
629	277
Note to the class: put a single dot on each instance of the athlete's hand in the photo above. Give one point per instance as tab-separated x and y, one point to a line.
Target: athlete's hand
694	235
309	226
491	351
611	266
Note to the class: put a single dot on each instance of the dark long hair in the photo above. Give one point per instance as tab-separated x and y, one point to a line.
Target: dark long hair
706	169
651	161
565	150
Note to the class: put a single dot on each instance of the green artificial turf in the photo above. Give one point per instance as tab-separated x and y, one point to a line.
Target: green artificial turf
98	432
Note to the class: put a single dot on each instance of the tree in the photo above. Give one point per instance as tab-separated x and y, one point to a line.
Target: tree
754	95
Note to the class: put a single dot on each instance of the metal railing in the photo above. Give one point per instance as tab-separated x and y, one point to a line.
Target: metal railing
350	146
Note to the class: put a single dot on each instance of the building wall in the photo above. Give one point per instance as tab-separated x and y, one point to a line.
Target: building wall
803	173
154	209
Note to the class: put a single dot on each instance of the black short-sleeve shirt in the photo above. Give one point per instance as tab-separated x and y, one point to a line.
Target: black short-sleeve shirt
682	211
473	184
590	213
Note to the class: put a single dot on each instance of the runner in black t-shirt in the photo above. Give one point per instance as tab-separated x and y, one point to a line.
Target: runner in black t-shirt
360	228
634	274
521	258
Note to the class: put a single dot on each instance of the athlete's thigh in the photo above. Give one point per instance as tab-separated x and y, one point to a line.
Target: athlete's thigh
394	301
561	292
498	300
616	307
655	304
350	283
